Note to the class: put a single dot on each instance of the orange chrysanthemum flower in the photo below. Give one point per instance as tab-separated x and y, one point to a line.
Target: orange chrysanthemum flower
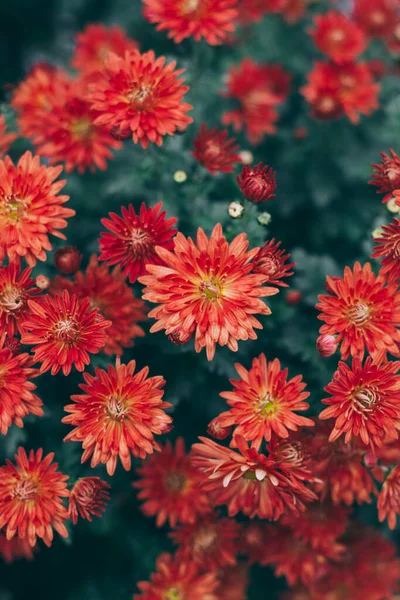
6	137
258	89
376	17
215	150
30	208
212	20
264	402
343	476
365	401
94	44
270	261
16	288
363	312
15	549
141	95
110	294
118	415
253	483
170	486
338	37
64	332
134	237
386	175
69	135
16	390
211	542
208	289
297	560
176	579
88	497
44	89
31	495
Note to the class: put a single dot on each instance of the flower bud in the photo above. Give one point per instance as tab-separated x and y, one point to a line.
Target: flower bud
293	297
67	260
326	345
216	430
42	282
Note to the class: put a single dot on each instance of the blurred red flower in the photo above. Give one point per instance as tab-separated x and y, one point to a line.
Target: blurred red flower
215	150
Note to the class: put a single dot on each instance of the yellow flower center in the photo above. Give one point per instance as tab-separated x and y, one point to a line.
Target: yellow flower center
140	96
359	314
82	129
25	490
267	406
210	288
12	208
173	593
116	408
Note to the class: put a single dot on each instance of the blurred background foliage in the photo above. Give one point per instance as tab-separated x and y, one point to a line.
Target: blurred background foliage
324	213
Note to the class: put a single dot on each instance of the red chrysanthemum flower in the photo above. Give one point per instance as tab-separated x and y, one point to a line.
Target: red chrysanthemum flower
335	90
212	20
208	289
31	495
389	498
211	542
134	237
30	208
170	487
338	37
254	537
141	95
363	312
6	137
321	525
340	467
258	183
69	135
369	569
118	415
44	89
175	579
365	401
386	175
297	559
214	150
64	332
15	549
88	497
94	44
16	390
255	484
264	402
258	89
233	582
270	260
376	17
16	288
110	294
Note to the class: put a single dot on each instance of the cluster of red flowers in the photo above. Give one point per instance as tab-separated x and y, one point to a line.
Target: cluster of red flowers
268	460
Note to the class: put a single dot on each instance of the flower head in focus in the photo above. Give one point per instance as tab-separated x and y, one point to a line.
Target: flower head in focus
207	289
16	288
31	494
386	175
118	415
88	497
271	260
30	208
258	183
